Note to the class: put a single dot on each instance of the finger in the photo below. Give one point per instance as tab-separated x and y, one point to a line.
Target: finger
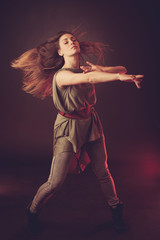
139	76
138	81
137	84
85	68
89	63
123	70
82	67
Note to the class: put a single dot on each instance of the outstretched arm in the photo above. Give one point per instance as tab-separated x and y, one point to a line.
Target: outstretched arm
66	77
117	69
93	67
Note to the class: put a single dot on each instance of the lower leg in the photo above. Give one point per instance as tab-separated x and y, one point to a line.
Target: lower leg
116	207
107	185
98	156
59	169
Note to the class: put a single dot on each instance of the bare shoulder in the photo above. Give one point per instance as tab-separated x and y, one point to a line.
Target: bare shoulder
63	75
67	77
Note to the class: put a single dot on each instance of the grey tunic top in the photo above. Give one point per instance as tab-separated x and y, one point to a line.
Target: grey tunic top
71	134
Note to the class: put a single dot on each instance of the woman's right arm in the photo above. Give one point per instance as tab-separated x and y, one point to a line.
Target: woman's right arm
65	78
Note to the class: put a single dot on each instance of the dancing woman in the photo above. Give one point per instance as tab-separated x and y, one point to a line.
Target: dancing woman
53	68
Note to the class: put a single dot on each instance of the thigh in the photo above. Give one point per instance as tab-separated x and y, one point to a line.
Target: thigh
62	145
98	155
60	166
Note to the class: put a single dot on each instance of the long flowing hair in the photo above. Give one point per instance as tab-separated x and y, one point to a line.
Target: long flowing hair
39	64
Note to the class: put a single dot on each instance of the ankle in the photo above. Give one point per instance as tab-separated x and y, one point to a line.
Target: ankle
118	205
117	216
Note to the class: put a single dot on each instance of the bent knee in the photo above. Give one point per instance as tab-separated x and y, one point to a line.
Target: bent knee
54	186
102	173
100	168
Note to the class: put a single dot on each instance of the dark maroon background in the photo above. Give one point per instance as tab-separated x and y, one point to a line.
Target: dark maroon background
131	28
130	118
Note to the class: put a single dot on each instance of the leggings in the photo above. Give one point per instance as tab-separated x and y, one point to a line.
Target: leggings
60	167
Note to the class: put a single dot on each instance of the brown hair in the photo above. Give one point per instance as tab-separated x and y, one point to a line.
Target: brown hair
40	64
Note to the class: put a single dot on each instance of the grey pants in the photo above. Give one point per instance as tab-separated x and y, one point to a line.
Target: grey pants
60	167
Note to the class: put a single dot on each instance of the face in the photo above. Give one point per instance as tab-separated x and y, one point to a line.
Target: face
68	45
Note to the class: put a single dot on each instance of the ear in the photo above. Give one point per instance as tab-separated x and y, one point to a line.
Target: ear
60	52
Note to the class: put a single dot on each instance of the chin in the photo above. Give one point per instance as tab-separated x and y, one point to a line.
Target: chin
75	52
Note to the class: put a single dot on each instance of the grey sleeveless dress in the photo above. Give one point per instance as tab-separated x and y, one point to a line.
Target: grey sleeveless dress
71	134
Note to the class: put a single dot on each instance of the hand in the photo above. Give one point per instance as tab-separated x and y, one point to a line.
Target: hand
90	68
137	79
119	69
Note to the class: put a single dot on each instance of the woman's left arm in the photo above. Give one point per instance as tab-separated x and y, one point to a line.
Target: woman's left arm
116	69
93	67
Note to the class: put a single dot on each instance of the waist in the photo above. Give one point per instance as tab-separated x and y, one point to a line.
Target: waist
82	114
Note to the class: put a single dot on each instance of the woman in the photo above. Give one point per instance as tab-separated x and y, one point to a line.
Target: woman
77	128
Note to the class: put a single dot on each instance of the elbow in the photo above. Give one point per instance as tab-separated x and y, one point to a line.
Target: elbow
90	78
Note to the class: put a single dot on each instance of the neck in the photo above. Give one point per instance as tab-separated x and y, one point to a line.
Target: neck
71	62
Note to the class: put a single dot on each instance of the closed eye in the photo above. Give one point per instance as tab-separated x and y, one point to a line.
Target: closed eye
73	39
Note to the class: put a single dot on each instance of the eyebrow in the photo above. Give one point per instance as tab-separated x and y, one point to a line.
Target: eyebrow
64	39
67	38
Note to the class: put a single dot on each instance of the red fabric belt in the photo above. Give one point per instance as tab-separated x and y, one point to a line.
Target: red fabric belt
76	115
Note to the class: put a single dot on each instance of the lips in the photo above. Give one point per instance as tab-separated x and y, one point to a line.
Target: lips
73	47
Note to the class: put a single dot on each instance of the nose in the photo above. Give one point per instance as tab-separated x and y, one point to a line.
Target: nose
71	42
